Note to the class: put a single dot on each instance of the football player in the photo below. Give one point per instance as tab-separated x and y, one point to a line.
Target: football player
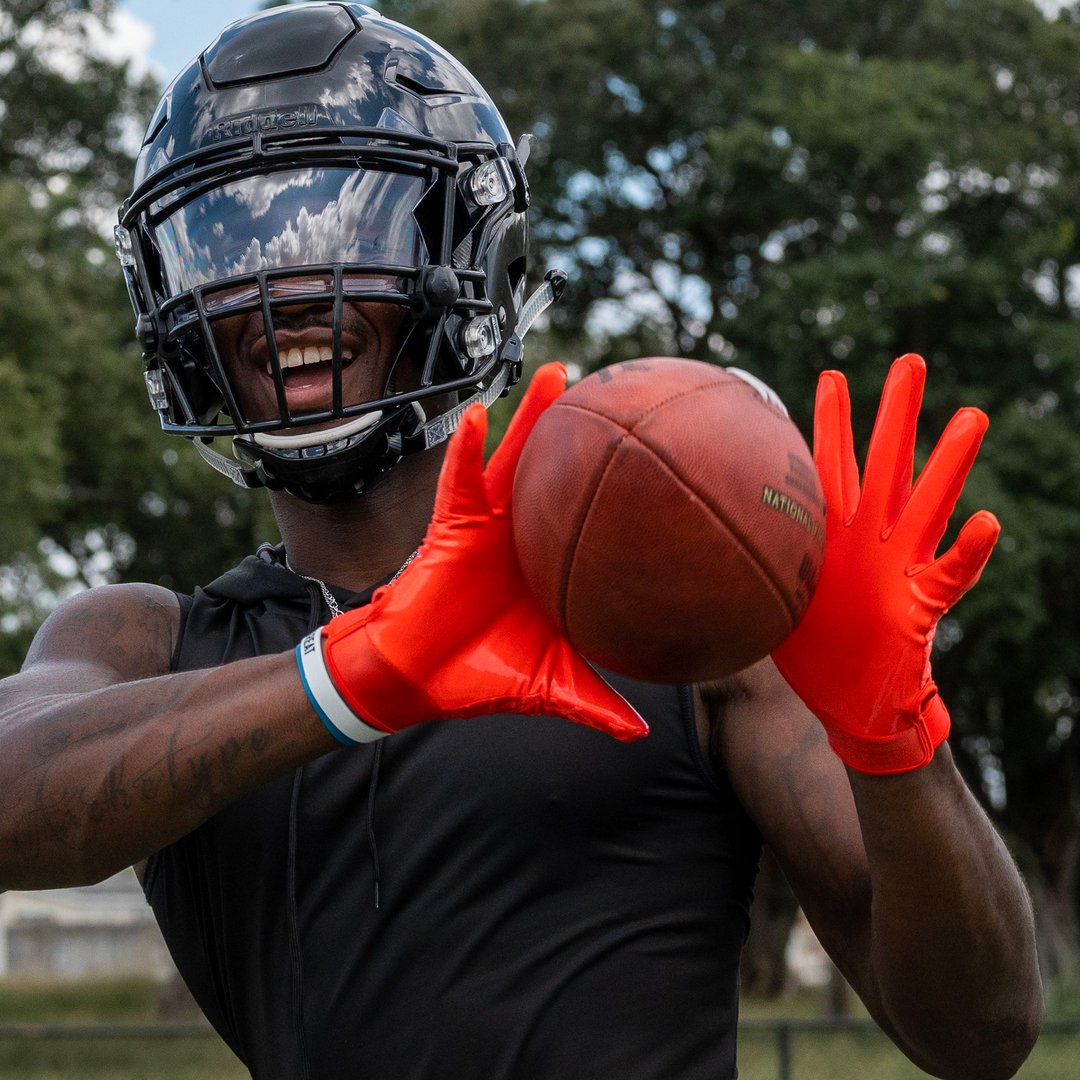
343	770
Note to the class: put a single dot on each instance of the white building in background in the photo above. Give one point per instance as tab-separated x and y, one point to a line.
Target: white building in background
807	962
101	930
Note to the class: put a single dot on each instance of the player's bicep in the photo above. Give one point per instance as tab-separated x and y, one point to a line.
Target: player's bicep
98	638
796	790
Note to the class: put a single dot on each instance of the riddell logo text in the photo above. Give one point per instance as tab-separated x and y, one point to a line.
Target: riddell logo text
269	120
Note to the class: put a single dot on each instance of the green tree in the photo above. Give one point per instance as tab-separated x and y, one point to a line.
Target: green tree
791	187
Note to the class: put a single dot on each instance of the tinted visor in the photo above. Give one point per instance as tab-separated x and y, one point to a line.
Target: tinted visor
297	218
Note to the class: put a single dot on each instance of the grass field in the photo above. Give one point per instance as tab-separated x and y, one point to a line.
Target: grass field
198	1058
808	1052
179	1054
135	1055
868	1055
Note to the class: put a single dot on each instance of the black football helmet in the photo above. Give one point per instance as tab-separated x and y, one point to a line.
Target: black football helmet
316	156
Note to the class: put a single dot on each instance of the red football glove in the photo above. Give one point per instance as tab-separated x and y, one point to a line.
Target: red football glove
860	657
458	634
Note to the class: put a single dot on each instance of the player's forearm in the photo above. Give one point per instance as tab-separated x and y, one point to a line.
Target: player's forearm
952	937
93	782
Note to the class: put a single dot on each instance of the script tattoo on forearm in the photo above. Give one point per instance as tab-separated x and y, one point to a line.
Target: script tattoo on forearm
194	772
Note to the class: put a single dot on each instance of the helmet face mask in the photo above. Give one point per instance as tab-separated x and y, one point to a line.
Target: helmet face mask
269	251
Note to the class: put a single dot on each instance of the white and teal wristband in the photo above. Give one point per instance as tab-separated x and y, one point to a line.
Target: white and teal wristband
333	709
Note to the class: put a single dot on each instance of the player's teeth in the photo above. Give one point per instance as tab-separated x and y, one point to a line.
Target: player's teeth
311	354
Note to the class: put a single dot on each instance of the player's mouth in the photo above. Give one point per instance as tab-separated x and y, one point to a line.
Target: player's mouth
307	369
301	366
303	343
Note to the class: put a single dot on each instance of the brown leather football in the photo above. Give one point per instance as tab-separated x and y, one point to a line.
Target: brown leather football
669	519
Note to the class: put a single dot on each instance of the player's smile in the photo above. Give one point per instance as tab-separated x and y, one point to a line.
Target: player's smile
305	356
304	338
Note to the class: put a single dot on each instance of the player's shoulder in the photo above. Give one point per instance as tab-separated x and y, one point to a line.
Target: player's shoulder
758	686
131	629
754	721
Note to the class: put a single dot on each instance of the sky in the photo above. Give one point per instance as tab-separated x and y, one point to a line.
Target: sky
169	33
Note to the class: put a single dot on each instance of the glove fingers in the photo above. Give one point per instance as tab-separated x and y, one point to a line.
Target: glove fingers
890	460
545	386
834	453
461	488
942	479
944	581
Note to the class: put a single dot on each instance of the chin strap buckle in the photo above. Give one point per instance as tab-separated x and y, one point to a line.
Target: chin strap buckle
243	474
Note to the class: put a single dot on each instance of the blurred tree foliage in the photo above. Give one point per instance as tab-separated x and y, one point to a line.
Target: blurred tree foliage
791	187
89	489
783	186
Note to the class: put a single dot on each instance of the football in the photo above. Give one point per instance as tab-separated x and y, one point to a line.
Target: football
669	520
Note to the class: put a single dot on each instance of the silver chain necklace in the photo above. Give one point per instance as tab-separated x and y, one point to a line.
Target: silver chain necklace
328	596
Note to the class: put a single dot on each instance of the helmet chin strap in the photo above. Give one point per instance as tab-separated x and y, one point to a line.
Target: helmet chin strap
428	434
442	427
245	476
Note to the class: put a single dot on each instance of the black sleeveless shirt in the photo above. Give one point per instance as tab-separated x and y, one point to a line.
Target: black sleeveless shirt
489	898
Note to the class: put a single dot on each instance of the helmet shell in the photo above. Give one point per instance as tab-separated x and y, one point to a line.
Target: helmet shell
312	65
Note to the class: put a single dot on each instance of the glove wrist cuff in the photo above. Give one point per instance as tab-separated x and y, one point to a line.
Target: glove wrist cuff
900	751
333	710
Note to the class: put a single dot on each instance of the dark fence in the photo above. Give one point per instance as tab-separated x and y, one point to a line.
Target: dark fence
769	1049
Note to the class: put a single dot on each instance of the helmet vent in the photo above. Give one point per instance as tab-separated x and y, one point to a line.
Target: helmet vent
420	76
158	120
283	42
